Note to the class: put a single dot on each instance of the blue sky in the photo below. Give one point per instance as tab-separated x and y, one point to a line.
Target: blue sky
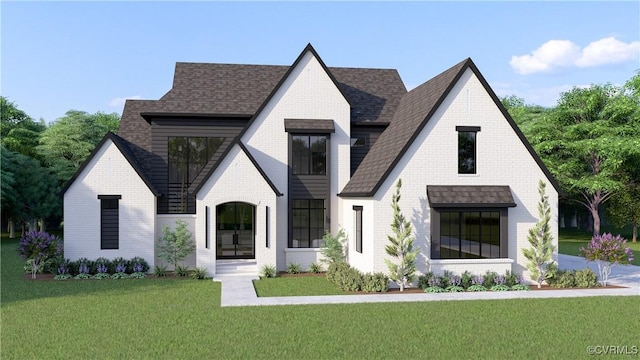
90	56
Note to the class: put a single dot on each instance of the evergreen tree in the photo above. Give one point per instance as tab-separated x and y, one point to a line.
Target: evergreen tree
542	248
403	269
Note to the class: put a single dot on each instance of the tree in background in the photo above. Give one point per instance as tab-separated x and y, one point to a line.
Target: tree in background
18	132
402	269
585	140
539	255
67	143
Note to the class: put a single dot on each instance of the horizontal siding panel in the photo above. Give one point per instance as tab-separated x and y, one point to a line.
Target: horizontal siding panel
310	186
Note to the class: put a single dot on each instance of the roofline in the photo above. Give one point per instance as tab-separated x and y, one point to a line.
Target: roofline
308	48
149	115
468	64
115	139
243	148
424	122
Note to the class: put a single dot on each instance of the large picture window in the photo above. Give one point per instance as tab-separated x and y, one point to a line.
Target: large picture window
187	157
467	149
308	223
309	154
469	235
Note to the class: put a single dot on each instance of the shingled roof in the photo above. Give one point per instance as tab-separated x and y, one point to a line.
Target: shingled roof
415	109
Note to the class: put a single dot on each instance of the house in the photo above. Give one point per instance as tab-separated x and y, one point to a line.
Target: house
261	160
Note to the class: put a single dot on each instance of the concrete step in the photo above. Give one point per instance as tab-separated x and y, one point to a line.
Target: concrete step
236	267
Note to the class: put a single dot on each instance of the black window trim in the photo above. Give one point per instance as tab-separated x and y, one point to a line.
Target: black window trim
358	232
309	208
111	243
469	129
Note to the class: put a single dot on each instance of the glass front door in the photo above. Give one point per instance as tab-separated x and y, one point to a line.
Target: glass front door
235	231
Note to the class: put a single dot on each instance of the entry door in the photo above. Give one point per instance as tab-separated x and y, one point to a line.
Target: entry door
235	231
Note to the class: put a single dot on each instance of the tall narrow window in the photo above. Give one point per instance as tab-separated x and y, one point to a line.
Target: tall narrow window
266	226
109	221
358	227
467	149
309	154
206	226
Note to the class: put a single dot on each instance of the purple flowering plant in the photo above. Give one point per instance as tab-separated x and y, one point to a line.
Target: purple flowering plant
38	246
120	268
137	267
607	251
102	269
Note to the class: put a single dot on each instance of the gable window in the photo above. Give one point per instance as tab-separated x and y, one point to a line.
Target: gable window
309	154
467	149
469	235
308	223
109	222
187	157
358	142
357	210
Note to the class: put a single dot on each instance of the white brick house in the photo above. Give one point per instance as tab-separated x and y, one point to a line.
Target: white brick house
261	160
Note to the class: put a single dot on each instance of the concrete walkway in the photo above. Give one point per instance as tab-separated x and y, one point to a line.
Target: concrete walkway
239	291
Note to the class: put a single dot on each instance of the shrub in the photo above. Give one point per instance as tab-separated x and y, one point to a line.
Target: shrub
121	268
137	275
137	268
454	288
38	246
377	282
434	289
476	288
607	251
176	245
335	270
520	287
562	279
101	263
445	279
315	268
423	280
435	282
200	273
510	278
293	268
62	277
83	269
585	278
489	279
62	272
465	279
120	275
119	263
100	276
160	270
141	262
333	249
500	287
350	279
181	271
268	271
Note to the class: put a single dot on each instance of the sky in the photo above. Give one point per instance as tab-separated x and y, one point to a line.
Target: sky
91	56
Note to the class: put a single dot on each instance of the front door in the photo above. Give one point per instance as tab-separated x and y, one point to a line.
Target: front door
235	231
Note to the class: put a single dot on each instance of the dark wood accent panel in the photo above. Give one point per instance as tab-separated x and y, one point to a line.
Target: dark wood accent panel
370	134
159	143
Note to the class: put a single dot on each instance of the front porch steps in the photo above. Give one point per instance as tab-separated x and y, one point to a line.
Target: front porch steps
239	267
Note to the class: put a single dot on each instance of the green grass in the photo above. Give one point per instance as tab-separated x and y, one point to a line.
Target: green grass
182	319
570	242
296	286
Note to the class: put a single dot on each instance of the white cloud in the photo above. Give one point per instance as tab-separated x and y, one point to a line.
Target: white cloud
119	102
555	54
608	51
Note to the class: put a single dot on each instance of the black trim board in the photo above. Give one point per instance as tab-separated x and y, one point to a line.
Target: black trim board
468	128
110	197
120	144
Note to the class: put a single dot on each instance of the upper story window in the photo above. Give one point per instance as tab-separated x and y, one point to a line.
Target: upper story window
467	154
358	142
187	157
309	154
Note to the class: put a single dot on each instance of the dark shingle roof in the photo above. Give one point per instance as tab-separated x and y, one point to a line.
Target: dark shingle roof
469	196
413	112
309	126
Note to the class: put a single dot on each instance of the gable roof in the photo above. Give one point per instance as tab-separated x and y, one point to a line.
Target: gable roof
414	111
125	150
195	189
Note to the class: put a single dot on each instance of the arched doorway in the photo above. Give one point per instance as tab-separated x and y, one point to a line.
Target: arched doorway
235	231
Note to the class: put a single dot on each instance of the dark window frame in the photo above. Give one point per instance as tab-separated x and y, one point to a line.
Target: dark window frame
466	155
304	163
436	230
109	230
307	230
358	227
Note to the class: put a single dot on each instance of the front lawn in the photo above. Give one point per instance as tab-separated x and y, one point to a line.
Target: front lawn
570	242
296	286
182	319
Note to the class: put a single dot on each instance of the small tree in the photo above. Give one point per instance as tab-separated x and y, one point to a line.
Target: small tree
403	269
177	244
542	248
607	251
38	246
333	249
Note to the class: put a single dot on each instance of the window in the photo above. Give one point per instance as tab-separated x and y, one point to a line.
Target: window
309	154
109	221
469	234
207	228
308	223
358	227
358	142
187	157
467	149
